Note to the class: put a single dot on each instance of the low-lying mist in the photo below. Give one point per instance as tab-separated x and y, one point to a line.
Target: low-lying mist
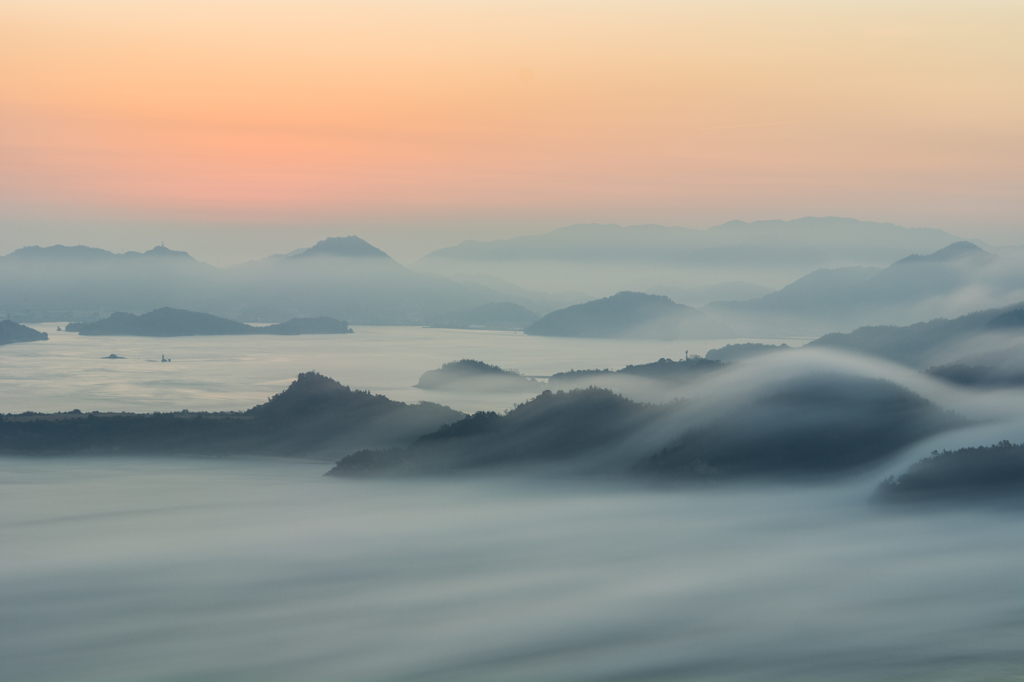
262	570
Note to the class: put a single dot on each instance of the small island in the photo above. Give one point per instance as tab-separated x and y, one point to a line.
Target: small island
631	315
12	332
112	356
167	322
473	375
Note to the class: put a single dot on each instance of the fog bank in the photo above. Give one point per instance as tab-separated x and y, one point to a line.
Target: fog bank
261	570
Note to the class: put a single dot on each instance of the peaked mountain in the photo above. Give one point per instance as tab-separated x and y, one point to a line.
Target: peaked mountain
629	314
346	247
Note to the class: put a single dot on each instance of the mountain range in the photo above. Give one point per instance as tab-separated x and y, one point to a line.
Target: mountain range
601	259
465	286
344	278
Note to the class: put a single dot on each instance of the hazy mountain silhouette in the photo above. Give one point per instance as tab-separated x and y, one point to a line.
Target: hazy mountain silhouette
348	247
844	298
803	240
601	259
314	417
920	345
61	278
350	279
174	322
629	314
12	332
345	278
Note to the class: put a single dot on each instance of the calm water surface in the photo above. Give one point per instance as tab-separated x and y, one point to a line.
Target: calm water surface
236	372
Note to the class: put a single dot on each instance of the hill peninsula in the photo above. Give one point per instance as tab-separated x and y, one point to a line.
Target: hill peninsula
12	332
167	322
316	417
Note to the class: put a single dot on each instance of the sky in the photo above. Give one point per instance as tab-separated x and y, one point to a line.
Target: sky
236	129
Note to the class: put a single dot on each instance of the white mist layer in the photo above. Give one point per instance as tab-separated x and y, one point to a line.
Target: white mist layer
260	570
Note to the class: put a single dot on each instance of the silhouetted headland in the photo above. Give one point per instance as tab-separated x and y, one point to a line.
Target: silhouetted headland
315	417
12	332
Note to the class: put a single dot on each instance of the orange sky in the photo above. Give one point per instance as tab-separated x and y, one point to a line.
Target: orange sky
497	117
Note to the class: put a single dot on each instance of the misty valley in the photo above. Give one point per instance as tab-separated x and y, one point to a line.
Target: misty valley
327	461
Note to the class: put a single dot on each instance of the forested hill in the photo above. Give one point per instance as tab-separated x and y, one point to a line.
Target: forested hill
316	417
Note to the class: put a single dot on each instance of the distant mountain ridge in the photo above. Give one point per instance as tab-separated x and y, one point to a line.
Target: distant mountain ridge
343	278
916	344
658	242
61	252
845	298
600	259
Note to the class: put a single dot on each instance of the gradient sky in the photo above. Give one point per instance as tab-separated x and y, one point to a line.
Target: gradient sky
417	124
